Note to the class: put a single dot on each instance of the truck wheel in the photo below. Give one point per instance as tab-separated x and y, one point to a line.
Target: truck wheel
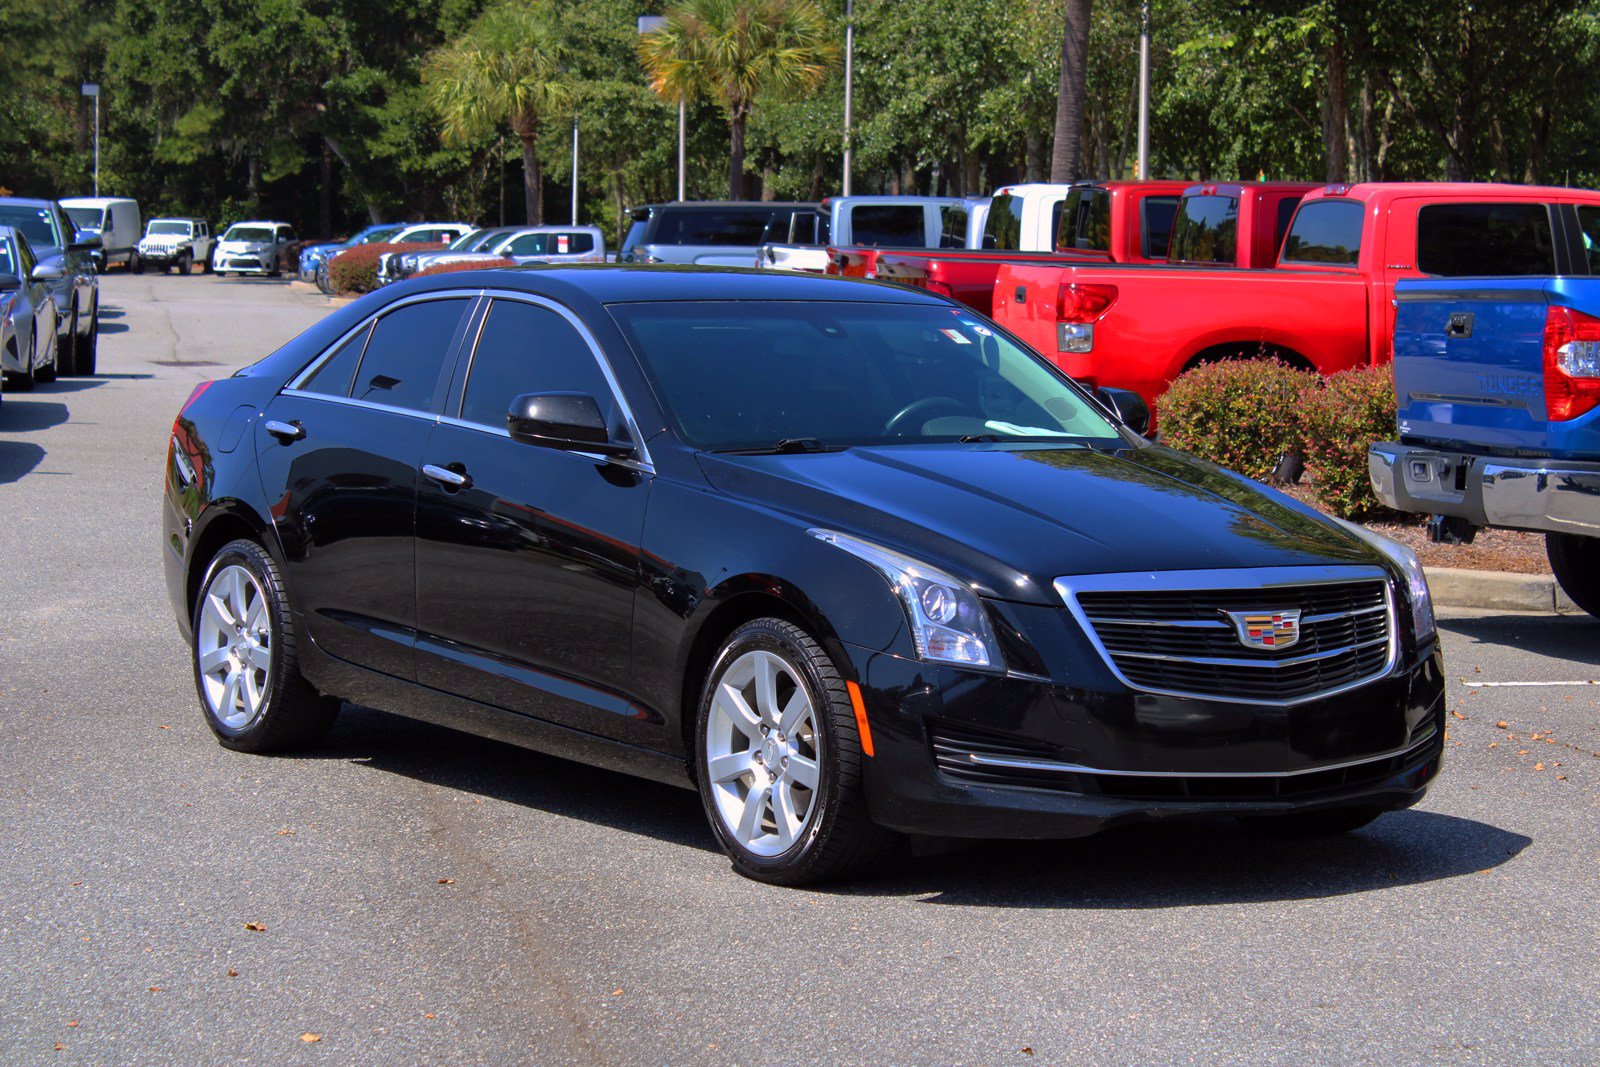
135	263
186	264
208	267
1576	563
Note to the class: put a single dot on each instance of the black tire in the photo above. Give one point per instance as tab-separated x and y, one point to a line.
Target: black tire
1330	822
292	714
1576	563
88	348
839	838
67	348
23	382
46	374
208	267
186	263
136	263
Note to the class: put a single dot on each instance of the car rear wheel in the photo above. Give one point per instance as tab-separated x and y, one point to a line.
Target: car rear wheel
1576	563
246	670
67	345
779	760
46	374
88	347
1327	823
24	381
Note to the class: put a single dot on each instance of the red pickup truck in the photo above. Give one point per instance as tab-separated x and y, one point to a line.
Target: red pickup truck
1100	222
1328	303
1238	224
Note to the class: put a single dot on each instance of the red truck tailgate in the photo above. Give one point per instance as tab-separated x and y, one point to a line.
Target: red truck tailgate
1161	319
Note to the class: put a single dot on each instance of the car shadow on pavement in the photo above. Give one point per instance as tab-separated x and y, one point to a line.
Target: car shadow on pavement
1212	861
17	458
1569	637
19	415
113	327
455	760
67	385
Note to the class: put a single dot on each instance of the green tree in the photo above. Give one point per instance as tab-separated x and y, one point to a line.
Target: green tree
507	69
734	50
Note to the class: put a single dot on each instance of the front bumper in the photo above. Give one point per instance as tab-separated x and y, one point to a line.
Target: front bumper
1561	496
959	754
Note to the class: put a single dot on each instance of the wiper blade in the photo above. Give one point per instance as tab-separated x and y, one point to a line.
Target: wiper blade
787	446
977	438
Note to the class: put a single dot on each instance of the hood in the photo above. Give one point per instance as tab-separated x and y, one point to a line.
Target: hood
1014	519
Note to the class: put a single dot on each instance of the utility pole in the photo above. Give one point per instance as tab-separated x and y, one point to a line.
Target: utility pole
654	24
849	84
93	89
574	170
1144	90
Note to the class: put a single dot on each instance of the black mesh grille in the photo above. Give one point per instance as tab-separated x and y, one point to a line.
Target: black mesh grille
1159	640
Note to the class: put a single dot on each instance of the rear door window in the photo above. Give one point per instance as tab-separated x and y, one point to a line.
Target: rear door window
1085	222
1325	231
1003	227
1206	230
334	374
953	225
1474	240
1589	232
404	358
635	234
1159	214
722	228
888	226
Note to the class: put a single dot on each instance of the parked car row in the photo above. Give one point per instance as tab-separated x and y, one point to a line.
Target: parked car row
53	264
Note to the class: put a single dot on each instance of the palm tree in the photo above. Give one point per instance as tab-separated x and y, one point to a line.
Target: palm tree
1065	160
732	50
508	68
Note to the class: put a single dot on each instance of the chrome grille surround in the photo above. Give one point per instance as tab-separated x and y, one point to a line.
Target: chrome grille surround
1164	638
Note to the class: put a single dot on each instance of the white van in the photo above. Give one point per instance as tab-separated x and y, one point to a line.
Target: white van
114	219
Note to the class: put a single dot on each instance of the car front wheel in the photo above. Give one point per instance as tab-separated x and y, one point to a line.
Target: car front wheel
1575	560
246	670
779	760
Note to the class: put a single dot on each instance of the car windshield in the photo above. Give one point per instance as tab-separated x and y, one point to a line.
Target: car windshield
382	233
467	241
751	375
168	227
36	225
247	233
85	218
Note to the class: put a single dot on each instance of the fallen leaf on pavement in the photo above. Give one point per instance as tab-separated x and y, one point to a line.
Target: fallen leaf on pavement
309	1038
58	1047
616	992
1502	724
156	989
447	881
257	927
232	973
72	1022
1457	714
1538	766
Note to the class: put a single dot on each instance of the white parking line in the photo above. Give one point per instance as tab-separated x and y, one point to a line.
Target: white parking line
1499	685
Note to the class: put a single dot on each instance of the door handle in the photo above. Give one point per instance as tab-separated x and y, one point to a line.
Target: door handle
451	480
285	431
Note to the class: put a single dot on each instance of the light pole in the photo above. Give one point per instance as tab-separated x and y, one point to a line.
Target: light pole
93	89
655	24
849	82
1144	90
574	169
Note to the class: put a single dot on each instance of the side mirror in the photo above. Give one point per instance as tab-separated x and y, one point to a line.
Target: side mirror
9	282
571	422
1127	405
86	242
44	273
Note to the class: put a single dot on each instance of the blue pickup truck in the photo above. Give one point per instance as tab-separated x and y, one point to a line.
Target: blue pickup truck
1498	385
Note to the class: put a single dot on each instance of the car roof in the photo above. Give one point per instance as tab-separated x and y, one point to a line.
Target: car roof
257	222
26	201
96	201
613	283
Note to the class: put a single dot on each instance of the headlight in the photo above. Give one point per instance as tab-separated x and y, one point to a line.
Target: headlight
948	623
1422	623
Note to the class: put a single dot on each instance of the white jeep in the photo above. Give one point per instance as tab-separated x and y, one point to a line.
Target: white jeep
180	243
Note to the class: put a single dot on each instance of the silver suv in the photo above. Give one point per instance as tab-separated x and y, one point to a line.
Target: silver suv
711	233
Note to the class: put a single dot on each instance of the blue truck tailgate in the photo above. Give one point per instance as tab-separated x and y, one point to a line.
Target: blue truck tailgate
1469	364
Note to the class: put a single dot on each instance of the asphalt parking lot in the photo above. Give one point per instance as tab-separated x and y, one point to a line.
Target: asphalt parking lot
406	894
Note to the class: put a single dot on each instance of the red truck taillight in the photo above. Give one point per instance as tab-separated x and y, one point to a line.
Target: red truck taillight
1078	308
1571	363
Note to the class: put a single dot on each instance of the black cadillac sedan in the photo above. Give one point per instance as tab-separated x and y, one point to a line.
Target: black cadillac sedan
843	557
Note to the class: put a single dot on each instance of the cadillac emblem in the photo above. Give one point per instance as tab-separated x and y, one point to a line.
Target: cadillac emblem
1266	629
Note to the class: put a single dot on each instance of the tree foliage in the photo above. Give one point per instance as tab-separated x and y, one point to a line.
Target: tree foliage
317	110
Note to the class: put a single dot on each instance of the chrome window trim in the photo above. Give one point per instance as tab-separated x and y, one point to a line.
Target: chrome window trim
1263	578
1029	763
350	401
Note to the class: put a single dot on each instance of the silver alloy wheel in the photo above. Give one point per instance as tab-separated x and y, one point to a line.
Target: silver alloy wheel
763	750
233	643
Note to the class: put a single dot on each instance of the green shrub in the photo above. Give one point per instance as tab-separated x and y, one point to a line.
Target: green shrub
1240	414
470	264
355	270
1350	411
